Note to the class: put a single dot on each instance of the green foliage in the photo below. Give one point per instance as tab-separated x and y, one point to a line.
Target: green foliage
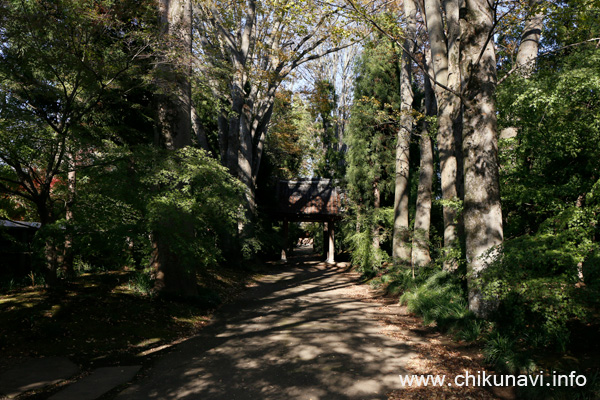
189	188
537	298
550	196
439	300
439	297
371	136
141	283
368	258
172	194
535	283
571	21
371	139
553	161
322	105
471	330
591	270
70	77
502	352
283	146
58	62
315	231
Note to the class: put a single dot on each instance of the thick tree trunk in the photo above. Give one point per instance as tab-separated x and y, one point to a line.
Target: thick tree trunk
242	136
530	40
67	258
175	99
175	132
199	131
234	127
401	245
261	133
482	211
245	159
223	136
171	275
51	257
445	63
420	249
51	261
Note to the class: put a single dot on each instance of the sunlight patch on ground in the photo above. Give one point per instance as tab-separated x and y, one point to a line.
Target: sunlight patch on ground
147	342
190	320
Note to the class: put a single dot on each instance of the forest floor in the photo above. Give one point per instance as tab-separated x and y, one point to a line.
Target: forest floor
103	319
302	330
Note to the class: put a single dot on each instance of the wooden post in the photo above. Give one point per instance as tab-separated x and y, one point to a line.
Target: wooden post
325	239
331	240
285	240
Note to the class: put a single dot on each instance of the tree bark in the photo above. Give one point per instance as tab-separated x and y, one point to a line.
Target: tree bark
482	211
235	120
175	98
376	227
400	245
420	250
67	259
51	258
174	122
445	62
199	131
530	40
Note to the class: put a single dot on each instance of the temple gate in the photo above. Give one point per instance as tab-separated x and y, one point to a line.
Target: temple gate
311	200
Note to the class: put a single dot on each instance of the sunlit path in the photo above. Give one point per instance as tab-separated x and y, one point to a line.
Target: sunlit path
301	333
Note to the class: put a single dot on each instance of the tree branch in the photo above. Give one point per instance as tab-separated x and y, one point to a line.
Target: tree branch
517	67
395	40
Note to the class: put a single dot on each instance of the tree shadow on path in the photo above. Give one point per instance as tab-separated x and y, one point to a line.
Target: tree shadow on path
301	333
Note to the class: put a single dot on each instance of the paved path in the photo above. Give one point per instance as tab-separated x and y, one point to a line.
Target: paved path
19	376
302	333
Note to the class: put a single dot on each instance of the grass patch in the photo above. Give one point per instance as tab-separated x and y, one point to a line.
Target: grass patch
439	300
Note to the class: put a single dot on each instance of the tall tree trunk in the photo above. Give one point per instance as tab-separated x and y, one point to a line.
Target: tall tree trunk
245	159
51	261
199	131
401	245
223	136
261	134
376	227
49	239
175	129
528	52
530	40
235	121
482	211
420	249
67	259
445	62
175	98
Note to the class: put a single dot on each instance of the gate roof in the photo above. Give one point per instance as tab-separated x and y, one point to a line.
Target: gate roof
309	199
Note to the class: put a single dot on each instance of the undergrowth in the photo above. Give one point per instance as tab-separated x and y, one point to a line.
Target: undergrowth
511	337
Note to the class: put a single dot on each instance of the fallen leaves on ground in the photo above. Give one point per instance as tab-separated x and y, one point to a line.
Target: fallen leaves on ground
436	354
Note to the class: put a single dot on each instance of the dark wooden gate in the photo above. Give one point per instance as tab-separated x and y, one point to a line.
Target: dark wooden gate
311	200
